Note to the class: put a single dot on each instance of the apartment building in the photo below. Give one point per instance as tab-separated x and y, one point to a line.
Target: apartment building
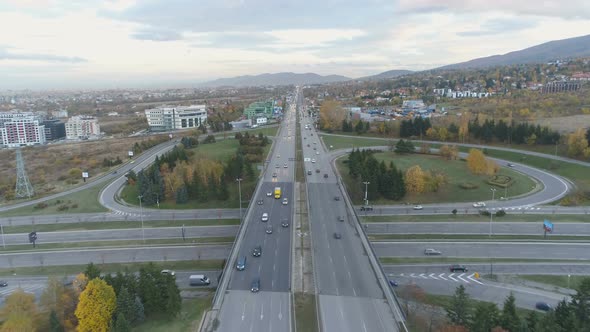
20	129
166	118
82	127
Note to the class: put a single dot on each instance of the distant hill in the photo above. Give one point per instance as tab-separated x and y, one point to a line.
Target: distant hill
558	49
275	79
385	75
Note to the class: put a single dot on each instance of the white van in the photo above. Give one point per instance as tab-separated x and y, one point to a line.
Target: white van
199	280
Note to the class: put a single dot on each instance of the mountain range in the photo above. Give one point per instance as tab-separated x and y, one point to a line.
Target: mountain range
557	49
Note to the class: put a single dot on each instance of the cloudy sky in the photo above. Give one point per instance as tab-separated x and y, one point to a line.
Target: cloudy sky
59	44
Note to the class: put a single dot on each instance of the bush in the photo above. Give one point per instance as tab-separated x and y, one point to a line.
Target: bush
468	185
40	206
485	213
209	139
454	211
500	213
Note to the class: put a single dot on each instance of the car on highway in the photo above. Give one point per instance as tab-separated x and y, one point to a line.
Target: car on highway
431	251
255	286
313	160
336	198
264	216
543	306
366	208
165	272
510	165
278	156
285	201
277	166
325	176
274	175
418	207
340	218
458	268
307	145
285	165
309	172
269	194
479	204
285	223
393	283
317	153
199	280
241	263
260	202
268	229
337	236
3	283
257	251
317	170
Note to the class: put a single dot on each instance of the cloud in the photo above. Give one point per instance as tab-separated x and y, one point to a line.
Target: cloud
5	54
244	40
155	34
498	26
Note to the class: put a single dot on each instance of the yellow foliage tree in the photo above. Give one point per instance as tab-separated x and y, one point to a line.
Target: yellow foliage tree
96	307
491	167
432	134
476	162
443	134
331	115
79	284
19	312
414	180
577	143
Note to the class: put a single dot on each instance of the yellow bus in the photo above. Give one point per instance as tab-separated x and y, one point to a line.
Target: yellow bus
277	192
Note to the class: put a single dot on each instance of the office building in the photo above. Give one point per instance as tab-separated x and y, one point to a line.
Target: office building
166	118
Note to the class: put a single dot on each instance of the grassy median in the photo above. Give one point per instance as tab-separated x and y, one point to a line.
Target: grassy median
305	312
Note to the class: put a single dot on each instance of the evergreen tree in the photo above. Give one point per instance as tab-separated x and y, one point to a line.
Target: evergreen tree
121	324
171	300
92	271
509	319
459	312
564	316
139	311
581	303
54	323
532	319
485	317
223	193
126	305
181	195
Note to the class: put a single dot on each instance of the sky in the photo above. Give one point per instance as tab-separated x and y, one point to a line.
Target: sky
70	44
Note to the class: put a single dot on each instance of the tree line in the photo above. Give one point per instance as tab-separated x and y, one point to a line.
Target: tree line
176	176
94	302
385	181
572	315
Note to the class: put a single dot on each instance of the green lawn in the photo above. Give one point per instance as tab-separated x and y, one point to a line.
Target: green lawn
64	270
444	301
84	201
189	318
305	312
509	217
340	142
556	280
456	171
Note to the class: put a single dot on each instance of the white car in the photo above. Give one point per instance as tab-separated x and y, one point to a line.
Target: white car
170	272
285	166
479	204
269	194
418	207
317	152
313	160
285	201
265	216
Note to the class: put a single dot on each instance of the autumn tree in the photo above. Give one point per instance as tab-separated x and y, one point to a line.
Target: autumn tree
577	144
476	162
19	312
331	115
443	134
432	134
414	179
96	307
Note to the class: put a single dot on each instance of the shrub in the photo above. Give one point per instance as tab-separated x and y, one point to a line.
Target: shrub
485	213
468	185
454	211
40	206
500	213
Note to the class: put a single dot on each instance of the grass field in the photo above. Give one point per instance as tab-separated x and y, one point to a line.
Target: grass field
341	142
86	201
556	280
305	312
65	270
456	171
189	318
509	217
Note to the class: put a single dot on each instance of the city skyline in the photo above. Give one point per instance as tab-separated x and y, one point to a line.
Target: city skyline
56	44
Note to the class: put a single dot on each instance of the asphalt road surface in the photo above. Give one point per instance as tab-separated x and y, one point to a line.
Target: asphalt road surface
113	255
123	234
492	267
523	250
350	297
478	228
270	308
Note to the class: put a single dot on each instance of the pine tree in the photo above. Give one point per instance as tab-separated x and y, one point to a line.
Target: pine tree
54	323
509	319
459	311
126	305
121	324
139	311
485	317
92	271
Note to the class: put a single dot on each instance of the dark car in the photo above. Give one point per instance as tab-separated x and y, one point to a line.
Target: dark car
393	283
309	172
285	223
255	286
317	170
366	208
543	306
325	176
340	218
337	235
257	251
458	268
336	198
3	283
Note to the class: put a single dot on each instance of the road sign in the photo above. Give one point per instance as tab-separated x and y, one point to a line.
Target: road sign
548	226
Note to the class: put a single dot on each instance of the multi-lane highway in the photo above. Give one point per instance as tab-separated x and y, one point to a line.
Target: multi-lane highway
350	296
270	308
478	228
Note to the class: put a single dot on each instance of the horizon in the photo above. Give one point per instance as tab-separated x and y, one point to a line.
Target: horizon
127	44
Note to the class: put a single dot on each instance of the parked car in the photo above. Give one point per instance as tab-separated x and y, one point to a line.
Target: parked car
431	251
479	204
458	268
543	306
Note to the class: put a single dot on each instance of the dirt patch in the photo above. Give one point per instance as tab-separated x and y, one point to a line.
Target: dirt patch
566	124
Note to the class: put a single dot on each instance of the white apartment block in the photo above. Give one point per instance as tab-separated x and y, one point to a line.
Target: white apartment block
82	127
166	118
20	129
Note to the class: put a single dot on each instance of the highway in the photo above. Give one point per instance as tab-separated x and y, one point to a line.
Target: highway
122	234
270	308
350	296
521	250
478	228
492	267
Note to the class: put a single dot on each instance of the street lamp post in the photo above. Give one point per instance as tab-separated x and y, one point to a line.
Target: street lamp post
239	180
366	192
492	214
141	217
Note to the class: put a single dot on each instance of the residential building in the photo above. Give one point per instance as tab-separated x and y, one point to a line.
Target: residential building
20	129
59	114
555	87
166	118
259	109
580	76
261	120
54	129
82	127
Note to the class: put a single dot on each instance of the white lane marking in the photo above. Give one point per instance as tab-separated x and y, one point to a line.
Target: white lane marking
451	277
364	327
473	279
432	276
423	276
460	277
280	310
244	311
442	276
262	312
412	275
